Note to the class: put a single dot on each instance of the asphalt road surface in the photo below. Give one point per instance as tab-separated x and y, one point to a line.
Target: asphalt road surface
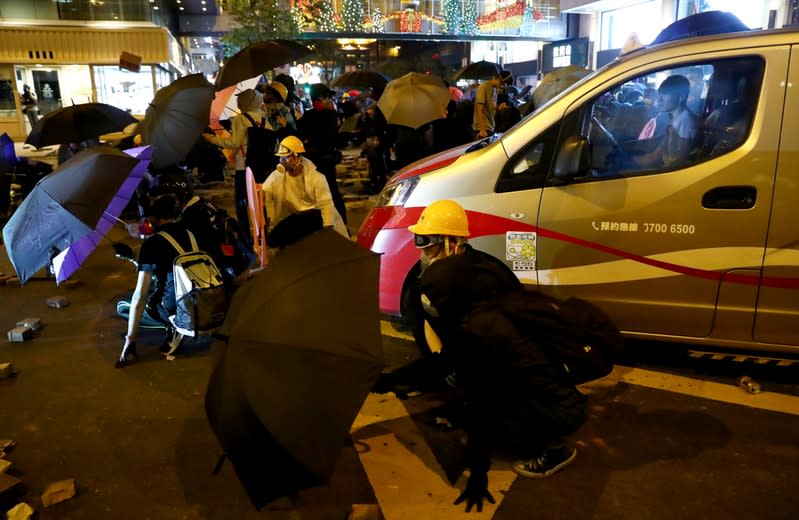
669	436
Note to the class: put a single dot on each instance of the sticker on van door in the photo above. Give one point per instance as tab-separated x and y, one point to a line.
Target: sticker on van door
520	249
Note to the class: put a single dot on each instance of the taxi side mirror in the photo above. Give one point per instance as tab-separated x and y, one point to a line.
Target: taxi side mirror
574	159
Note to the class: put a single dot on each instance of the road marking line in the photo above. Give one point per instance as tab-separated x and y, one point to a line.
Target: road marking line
387	329
402	469
704	389
727	393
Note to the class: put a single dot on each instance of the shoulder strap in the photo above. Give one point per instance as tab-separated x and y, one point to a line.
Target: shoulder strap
252	121
249	118
175	244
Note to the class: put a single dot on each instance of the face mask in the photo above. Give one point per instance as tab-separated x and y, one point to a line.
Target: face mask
429	255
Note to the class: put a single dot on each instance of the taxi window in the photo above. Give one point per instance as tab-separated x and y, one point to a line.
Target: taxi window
528	169
672	118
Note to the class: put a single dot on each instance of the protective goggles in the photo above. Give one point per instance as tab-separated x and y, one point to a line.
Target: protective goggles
423	241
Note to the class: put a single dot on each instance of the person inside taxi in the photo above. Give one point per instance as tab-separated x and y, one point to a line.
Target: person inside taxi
682	136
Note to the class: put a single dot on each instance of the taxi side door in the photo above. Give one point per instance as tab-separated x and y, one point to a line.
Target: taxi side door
649	243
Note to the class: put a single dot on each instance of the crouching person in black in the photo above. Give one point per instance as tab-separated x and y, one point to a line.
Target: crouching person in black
514	396
156	257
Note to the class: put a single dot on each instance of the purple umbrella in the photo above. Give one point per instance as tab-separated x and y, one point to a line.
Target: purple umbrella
71	258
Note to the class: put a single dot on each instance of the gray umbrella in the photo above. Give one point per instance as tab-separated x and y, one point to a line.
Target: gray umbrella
176	117
64	207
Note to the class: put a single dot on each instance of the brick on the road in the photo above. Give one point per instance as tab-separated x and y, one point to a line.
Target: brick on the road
21	511
58	492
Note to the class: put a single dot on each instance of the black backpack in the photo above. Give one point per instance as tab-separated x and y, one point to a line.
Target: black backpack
260	153
222	237
573	333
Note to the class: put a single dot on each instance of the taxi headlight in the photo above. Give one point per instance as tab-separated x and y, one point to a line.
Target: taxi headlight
397	193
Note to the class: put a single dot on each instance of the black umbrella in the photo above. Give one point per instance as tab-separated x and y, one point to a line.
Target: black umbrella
64	207
361	79
78	123
303	350
258	58
478	70
176	117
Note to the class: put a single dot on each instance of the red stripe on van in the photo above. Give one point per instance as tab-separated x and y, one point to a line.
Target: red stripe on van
483	224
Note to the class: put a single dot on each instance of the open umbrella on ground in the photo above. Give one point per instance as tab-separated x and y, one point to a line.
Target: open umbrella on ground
478	70
362	79
71	258
64	207
303	351
258	58
414	100
555	82
77	123
176	117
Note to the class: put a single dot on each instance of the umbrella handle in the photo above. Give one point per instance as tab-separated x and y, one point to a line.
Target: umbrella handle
218	466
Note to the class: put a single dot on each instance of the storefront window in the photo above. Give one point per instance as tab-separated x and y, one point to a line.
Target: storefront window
124	89
643	19
750	12
7	107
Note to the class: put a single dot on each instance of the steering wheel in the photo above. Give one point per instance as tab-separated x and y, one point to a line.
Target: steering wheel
619	156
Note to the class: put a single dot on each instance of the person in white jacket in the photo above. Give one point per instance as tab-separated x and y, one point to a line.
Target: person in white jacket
297	198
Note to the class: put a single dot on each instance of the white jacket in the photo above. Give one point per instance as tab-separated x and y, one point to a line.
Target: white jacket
316	190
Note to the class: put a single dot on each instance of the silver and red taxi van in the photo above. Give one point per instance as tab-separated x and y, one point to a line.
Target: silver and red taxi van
700	248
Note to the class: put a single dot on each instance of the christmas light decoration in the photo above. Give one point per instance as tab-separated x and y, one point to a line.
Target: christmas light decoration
378	22
352	15
451	15
509	17
469	20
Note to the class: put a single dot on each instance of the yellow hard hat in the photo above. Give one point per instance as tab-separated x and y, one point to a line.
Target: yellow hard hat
291	145
442	217
280	89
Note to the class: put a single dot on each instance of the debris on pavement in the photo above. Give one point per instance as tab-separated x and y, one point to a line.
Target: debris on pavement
57	302
8	485
58	492
6	371
4	465
749	384
33	323
21	511
13	281
6	444
20	334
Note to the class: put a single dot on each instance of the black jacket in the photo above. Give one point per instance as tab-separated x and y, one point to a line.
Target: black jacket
512	388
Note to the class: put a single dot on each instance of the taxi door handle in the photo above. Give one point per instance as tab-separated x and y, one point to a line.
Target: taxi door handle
730	197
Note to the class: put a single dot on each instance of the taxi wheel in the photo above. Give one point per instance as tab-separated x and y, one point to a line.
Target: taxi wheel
412	311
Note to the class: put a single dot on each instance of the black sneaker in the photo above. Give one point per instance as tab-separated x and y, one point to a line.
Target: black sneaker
550	461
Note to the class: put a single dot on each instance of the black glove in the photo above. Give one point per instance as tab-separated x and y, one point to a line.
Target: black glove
476	490
123	251
385	384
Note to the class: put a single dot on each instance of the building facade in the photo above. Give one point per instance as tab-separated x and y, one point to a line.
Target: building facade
68	52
